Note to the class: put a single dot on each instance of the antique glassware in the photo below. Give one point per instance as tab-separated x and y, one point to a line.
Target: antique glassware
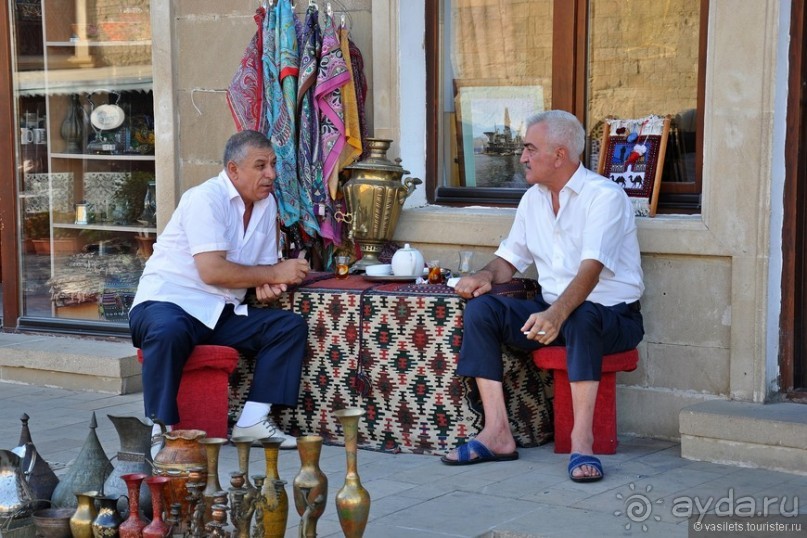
352	501
310	486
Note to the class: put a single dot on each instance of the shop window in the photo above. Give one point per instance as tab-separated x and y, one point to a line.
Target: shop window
492	63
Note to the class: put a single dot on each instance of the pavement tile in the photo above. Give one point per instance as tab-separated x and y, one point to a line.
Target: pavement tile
418	496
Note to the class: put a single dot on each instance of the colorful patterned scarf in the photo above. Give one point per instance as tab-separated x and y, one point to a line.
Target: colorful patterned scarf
313	195
360	84
332	76
245	93
280	87
353	142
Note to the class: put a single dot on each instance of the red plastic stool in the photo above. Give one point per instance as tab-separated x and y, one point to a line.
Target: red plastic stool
605	441
204	390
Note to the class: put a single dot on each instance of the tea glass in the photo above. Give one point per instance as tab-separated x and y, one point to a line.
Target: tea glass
466	259
342	266
435	272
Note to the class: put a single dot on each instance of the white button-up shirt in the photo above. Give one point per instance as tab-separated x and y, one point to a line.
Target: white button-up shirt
595	221
209	218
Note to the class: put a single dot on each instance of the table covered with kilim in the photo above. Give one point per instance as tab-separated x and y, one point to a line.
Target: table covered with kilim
392	348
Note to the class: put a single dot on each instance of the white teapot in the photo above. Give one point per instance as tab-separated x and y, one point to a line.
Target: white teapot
407	261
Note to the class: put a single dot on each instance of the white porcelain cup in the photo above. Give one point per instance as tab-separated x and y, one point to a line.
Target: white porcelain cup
40	136
26	135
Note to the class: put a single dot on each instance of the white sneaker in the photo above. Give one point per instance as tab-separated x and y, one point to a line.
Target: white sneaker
262	430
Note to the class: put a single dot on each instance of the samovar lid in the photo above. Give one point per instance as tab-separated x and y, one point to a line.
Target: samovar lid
377	159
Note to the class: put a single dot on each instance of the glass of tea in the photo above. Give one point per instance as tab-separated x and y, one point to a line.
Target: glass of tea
342	266
435	272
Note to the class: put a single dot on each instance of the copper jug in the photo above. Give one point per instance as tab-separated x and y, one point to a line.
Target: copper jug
181	454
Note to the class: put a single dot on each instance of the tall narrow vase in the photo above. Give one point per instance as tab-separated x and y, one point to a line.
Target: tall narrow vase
352	501
212	446
134	524
310	486
275	500
158	528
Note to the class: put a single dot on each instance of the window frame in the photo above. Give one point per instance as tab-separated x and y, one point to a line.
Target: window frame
569	45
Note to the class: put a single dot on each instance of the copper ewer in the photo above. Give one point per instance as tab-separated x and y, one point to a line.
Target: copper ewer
375	196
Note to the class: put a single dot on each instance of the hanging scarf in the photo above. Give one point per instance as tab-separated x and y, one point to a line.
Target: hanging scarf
353	143
313	195
360	84
332	76
280	87
245	93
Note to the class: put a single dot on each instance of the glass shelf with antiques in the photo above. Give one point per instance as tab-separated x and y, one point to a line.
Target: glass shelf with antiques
87	182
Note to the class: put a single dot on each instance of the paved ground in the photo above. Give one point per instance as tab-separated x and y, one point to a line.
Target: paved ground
647	491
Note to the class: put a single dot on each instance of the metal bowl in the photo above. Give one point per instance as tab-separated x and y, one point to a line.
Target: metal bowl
53	522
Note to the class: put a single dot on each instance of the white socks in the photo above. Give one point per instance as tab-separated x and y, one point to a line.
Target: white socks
253	413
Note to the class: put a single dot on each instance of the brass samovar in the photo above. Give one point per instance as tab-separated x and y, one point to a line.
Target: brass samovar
375	195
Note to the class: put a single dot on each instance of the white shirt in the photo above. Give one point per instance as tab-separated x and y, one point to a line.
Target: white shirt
595	221
209	217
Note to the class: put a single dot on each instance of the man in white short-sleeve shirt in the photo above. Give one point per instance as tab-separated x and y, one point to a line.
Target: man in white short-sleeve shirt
578	228
220	241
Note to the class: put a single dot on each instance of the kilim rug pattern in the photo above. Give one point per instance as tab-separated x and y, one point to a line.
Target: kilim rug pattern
392	350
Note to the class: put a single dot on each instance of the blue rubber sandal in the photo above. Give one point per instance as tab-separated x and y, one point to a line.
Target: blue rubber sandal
579	460
465	454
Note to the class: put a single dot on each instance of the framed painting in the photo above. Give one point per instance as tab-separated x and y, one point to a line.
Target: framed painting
632	155
491	123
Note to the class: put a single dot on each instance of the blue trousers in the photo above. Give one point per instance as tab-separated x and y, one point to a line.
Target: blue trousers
167	335
591	331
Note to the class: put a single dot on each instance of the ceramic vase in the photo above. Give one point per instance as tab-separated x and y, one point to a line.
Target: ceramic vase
352	500
181	453
82	518
275	500
212	447
158	527
310	486
133	526
108	520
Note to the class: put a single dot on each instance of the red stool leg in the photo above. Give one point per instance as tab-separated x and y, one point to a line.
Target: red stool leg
604	424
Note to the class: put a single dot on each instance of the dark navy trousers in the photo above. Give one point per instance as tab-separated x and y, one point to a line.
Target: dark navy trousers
590	332
167	335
